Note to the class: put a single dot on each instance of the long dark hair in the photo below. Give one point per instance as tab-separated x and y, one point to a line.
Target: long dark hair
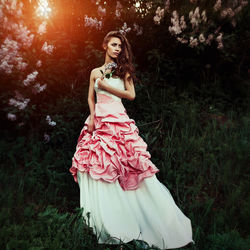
125	58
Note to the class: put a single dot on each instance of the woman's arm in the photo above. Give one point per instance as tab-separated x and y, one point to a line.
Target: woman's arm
91	95
129	93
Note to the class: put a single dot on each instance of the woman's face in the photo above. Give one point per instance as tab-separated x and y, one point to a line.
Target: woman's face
114	47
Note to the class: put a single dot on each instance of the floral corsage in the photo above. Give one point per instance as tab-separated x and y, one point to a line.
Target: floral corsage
108	70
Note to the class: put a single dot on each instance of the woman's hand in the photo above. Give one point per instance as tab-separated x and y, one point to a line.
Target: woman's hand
102	84
91	126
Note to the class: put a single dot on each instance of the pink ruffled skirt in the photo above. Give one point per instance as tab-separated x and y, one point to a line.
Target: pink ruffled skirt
121	197
114	151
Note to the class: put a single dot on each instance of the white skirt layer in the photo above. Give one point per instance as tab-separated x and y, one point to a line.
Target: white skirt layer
148	213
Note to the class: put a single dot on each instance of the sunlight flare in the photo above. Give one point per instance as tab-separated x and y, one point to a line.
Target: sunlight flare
43	9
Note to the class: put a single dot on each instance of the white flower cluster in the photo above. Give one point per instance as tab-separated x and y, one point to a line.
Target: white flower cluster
19	36
177	25
227	12
48	48
149	5
118	9
12	7
101	11
39	88
230	11
209	39
39	63
19	101
219	41
110	66
20	32
46	137
42	28
11	117
182	39
138	29
23	35
193	42
167	6
125	29
30	78
159	14
50	122
196	20
92	22
202	39
217	5
10	56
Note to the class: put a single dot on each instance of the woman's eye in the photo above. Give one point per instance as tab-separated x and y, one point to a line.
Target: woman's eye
115	45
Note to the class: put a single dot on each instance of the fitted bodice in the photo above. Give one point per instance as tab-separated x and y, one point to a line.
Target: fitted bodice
114	82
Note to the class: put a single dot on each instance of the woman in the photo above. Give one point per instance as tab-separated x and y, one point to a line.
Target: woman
121	197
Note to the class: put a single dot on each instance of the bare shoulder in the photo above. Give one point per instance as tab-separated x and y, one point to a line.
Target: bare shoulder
95	73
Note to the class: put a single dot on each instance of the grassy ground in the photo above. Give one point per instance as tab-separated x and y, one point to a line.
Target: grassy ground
201	149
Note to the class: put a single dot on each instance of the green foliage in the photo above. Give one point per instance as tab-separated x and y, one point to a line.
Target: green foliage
48	229
231	240
200	146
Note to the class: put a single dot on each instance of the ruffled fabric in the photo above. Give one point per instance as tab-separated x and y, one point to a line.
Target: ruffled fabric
114	150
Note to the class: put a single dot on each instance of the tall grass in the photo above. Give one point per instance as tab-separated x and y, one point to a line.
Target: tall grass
202	160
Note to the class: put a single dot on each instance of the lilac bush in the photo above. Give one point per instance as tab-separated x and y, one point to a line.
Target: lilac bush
200	30
16	41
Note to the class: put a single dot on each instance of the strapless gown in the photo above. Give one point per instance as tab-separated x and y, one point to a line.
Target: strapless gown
121	197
